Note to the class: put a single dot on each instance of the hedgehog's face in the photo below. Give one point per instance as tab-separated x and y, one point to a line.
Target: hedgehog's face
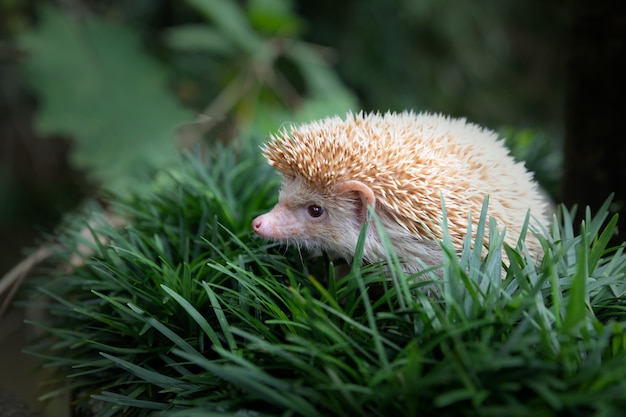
309	218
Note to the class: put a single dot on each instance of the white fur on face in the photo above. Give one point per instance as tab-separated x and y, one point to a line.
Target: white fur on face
337	229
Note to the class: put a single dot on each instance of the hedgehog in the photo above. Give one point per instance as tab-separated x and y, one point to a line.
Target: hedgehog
401	164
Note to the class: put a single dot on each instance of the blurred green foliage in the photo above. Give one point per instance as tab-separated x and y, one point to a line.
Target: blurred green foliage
97	85
245	68
128	82
541	154
497	63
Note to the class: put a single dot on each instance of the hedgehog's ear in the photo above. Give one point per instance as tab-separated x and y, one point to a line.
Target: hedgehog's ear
365	193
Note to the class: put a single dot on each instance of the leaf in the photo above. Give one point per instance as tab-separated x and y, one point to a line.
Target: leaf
230	20
156	378
195	315
327	94
118	400
576	303
193	37
274	16
96	85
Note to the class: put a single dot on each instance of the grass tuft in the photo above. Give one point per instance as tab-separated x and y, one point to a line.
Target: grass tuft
183	312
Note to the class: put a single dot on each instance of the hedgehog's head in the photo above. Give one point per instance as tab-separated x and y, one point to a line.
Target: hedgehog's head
327	171
332	170
307	217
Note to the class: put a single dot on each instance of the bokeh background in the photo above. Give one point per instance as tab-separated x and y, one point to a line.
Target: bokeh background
91	92
95	92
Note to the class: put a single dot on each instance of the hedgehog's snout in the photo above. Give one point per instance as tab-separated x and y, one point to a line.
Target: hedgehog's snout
260	225
280	223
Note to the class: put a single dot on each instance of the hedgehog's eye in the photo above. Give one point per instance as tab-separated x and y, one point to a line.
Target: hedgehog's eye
314	210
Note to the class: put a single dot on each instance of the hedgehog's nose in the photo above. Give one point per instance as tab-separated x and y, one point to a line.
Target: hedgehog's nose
257	224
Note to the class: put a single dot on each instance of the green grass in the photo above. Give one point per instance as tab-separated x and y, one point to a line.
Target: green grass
183	312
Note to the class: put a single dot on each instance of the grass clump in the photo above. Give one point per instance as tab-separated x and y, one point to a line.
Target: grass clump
181	312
